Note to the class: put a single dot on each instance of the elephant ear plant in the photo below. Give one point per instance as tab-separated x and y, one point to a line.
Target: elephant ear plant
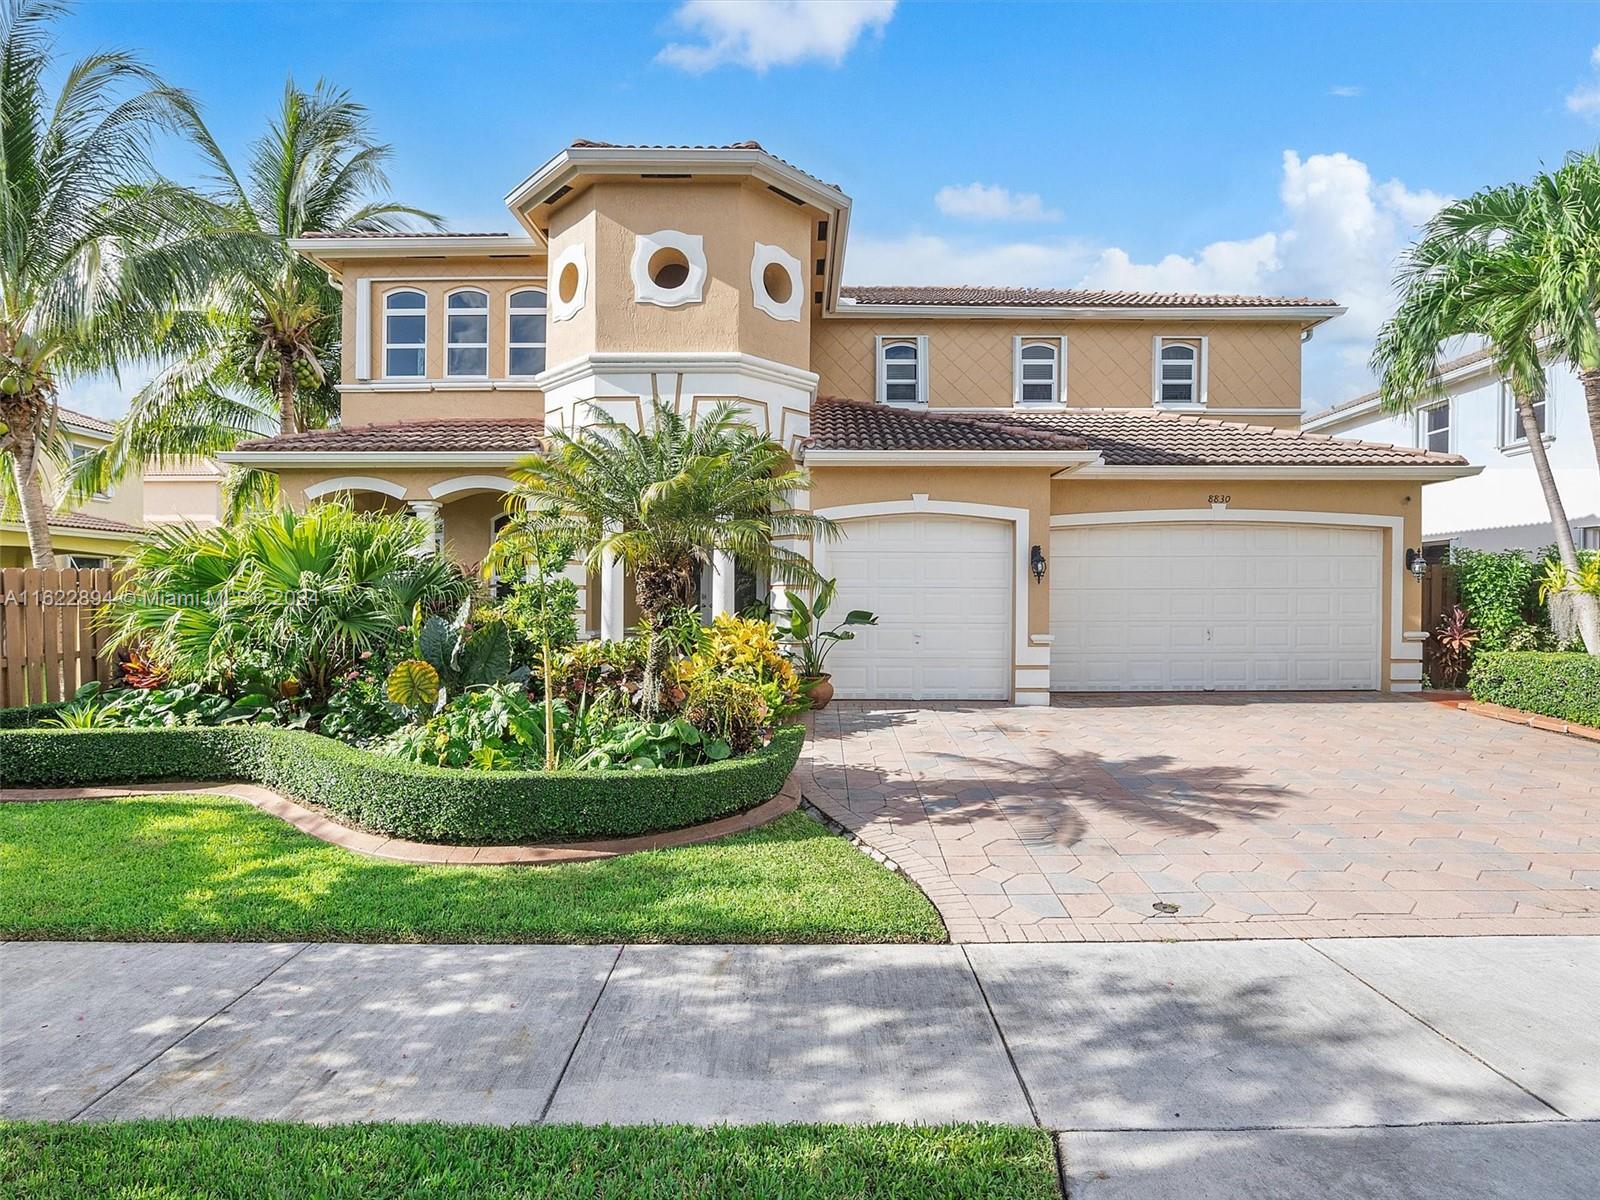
811	640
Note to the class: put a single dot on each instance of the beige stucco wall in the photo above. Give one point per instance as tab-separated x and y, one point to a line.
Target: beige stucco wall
731	216
1109	363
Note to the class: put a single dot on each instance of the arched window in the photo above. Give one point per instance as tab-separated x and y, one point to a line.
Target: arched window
902	370
466	335
1038	371
405	334
1179	366
525	316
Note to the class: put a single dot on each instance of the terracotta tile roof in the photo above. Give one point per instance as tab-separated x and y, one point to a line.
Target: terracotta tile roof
587	144
91	523
838	424
85	420
407	233
1065	298
1123	437
1445	368
478	433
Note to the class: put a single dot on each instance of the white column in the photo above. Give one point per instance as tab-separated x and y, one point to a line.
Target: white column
427	511
611	598
723	597
579	574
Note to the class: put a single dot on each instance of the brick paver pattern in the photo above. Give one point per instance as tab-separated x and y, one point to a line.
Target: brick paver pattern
1115	818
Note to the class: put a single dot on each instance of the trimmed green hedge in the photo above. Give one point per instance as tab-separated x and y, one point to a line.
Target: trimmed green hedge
385	795
1566	686
28	714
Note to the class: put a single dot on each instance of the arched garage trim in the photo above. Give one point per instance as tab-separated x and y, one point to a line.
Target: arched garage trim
470	483
355	483
1026	657
1400	650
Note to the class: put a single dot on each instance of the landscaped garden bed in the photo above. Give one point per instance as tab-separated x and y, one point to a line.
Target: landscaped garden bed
243	1160
1564	686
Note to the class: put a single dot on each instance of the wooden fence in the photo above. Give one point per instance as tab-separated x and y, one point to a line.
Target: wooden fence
1440	594
49	645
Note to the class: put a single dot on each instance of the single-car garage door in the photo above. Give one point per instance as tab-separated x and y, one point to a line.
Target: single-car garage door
1214	606
941	587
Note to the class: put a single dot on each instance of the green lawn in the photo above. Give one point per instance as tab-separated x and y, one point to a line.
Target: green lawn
205	1159
204	868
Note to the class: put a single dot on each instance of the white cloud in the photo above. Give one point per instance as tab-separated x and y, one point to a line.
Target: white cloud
1347	91
1584	100
991	202
1339	237
772	33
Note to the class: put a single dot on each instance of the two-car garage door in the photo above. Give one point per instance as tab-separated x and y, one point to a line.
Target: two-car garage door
1210	605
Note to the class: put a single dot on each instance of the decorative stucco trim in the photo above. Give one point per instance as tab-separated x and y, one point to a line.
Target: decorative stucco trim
921	505
1401	648
776	256
573	256
693	248
470	483
355	483
584	367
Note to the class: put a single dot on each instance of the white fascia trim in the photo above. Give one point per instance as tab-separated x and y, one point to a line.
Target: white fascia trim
1212	412
952	458
374	458
470	483
1402	646
1423	474
921	505
355	483
1088	312
75	531
575	370
407	247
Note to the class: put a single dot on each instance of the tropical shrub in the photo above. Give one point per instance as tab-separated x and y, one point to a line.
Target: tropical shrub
1566	686
147	708
1452	646
492	728
727	710
745	650
359	712
283	603
1500	593
458	654
803	626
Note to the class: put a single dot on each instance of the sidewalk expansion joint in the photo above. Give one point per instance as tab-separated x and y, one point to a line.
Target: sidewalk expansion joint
549	1101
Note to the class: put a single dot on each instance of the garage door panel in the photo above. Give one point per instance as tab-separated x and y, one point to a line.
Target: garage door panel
1215	605
941	587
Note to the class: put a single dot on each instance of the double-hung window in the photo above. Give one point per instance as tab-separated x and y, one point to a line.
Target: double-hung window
902	370
405	334
1180	364
80	451
1433	427
1039	370
1511	431
525	319
466	336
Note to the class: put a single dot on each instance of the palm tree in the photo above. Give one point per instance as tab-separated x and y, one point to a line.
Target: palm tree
259	354
663	500
86	256
1457	283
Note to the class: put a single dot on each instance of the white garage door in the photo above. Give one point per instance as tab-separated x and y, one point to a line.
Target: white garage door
1185	607
941	587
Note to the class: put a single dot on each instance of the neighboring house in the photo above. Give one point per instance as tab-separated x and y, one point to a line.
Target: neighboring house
1066	490
190	491
92	534
1503	508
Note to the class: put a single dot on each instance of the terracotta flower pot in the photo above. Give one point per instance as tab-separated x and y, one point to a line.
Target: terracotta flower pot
820	689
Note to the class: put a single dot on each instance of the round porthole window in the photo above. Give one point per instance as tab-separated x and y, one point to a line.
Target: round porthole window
567	287
778	285
669	268
570	273
775	282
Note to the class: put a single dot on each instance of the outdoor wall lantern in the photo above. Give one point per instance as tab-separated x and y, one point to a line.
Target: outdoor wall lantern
1416	563
1036	563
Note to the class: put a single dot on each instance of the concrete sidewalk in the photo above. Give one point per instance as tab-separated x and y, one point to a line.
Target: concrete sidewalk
1405	1067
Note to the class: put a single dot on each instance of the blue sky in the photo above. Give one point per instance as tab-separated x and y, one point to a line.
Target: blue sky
1285	148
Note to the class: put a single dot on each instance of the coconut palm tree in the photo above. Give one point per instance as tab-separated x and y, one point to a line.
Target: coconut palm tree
1458	285
87	251
259	353
663	500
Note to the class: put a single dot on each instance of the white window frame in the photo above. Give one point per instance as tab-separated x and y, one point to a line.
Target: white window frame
1449	425
79	450
1202	356
513	309
1058	384
450	314
405	312
1589	537
1512	437
882	343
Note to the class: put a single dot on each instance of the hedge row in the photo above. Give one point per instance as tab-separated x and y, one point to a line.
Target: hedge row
385	795
1566	686
28	714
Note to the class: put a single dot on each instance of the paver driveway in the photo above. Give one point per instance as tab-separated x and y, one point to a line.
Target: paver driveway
1256	816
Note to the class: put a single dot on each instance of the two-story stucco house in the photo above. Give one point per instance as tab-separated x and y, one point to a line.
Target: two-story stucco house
1040	490
1503	508
94	533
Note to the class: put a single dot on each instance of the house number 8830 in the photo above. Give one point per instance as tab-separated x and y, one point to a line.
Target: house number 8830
1218	499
